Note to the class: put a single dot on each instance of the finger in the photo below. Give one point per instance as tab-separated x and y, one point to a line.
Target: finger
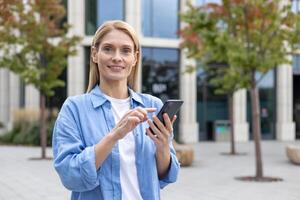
174	119
154	128
138	114
151	135
133	121
159	125
150	110
161	130
143	112
168	123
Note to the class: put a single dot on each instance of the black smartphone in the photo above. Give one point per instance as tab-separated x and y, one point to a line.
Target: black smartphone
171	107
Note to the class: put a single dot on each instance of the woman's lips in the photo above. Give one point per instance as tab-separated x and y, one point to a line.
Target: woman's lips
116	67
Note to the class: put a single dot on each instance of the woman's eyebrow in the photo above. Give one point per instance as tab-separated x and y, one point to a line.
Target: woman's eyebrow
127	46
123	45
107	44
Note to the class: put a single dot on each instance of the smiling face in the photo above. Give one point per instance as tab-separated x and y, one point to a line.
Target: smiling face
115	57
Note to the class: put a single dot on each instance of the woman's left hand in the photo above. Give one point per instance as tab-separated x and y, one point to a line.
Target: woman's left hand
161	134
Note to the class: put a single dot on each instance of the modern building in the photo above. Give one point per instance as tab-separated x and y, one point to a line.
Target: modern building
163	64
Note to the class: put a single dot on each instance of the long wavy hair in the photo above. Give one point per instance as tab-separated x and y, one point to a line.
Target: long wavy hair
94	76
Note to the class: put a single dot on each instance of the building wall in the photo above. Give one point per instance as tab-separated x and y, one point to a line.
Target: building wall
188	126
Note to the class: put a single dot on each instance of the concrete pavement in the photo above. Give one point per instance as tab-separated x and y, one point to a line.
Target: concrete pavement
211	177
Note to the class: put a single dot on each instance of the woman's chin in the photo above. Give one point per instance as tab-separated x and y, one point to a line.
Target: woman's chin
116	78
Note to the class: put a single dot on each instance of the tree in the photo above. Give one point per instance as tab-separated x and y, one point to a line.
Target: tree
34	45
207	46
251	37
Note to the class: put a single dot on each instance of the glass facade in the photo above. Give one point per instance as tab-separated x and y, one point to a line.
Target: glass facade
65	19
210	107
296	79
267	98
201	2
296	102
160	72
60	96
160	18
160	75
295	5
296	64
99	11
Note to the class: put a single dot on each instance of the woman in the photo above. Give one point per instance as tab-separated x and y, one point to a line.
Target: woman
102	142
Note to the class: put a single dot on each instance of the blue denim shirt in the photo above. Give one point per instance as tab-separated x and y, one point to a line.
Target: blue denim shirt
82	122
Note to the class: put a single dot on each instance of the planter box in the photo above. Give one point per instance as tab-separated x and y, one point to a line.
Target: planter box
184	153
293	153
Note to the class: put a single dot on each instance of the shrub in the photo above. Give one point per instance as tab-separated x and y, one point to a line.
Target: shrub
26	128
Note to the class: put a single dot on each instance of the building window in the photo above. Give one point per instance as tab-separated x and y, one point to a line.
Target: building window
267	98
210	106
60	96
65	18
160	18
160	72
99	11
202	2
295	5
296	58
296	64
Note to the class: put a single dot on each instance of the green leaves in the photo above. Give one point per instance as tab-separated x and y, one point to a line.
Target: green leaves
248	37
33	43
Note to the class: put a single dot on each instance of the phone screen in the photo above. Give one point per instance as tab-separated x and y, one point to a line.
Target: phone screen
171	107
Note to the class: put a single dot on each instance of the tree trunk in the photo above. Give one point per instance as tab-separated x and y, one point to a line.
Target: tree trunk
256	130
231	118
43	128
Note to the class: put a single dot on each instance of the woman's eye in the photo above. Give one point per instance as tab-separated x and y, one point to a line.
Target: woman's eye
107	49
126	50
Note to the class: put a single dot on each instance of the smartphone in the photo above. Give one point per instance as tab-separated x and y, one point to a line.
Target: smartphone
171	107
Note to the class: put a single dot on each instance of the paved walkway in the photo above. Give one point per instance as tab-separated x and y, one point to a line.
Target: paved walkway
210	178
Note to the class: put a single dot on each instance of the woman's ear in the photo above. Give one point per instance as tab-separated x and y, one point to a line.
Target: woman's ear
136	55
94	54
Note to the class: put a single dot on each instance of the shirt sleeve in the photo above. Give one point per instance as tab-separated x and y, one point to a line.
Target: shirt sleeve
172	174
74	162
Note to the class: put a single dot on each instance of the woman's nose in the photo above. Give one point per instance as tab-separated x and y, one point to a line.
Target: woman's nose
117	56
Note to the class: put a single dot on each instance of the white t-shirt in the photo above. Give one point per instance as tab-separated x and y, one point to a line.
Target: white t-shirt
128	173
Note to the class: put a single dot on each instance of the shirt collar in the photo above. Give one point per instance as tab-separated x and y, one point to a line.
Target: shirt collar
98	98
135	96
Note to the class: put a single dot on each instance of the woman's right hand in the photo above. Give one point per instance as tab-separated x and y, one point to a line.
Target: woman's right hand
130	120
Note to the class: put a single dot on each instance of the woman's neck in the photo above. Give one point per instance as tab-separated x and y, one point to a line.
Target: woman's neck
116	90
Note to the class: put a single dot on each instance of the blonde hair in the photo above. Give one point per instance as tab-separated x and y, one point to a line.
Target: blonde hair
94	76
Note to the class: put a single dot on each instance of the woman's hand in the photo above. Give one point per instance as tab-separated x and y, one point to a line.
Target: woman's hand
161	133
130	120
